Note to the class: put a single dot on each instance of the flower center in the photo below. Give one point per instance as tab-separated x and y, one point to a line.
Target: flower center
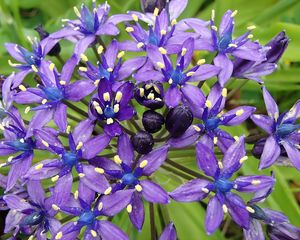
128	179
284	130
53	94
153	39
87	218
212	123
30	58
22	145
109	112
177	77
258	213
223	185
33	219
69	159
225	41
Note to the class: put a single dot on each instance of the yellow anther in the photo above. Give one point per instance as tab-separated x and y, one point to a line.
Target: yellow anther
197	128
232	45
170	81
55	178
51	67
119	96
225	209
44	101
213	14
234	13
250	209
140	45
65	20
151	96
189	74
109	121
224	92
62	82
129	29
276	115
142	92
215	140
100	206
39	166
201	61
97	82
163	32
45	143
68	129
162	50
250	36
214	28
55	207
100	49
107	191
27	109
236	138
205	190
243	159
116	108
84	57
143	163
79	146
83	69
134	17
117	159
106	96
120	54
155	12
99	170
173	22
129	208
77	11
239	112
208	104
33	67
76	194
183	51
255	182
160	65
81	175
220	164
251	27
58	236
156	89
138	187
13	64
94	233
110	69
22	88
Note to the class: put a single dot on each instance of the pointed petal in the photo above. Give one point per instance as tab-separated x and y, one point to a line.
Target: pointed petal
206	159
154	193
125	149
270	153
60	117
95	145
169	233
137	216
264	122
79	90
270	103
172	97
36	192
94	180
293	153
109	231
222	61
214	215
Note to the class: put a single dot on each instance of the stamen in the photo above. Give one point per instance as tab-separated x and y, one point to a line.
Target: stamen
256	182
116	108
120	54
239	112
140	45
99	170
39	166
142	92
220	164
79	146
138	187
183	51
201	61
224	92
243	159
100	49
162	50
76	193
44	101
197	128
51	67
225	209
213	14
117	159
173	22
100	206
34	68
81	175
160	65
83	69
106	96
208	104
148	86
236	138
119	96
45	143
234	13
129	29
55	178
58	236
22	88
97	82
110	69
163	32
251	27
156	89
250	36
155	12
62	82
232	45
214	28
77	11
189	74
107	191
206	190
135	17
84	57
129	208
250	209
27	110
94	233
215	140
143	163
170	81
13	64
68	130
55	207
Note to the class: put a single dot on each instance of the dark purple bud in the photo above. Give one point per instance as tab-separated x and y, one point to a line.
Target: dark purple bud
284	231
142	142
178	120
150	95
150	5
278	45
44	34
258	148
152	121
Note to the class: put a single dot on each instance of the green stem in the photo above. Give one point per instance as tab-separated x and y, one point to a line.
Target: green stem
96	53
76	109
152	221
59	58
176	172
234	91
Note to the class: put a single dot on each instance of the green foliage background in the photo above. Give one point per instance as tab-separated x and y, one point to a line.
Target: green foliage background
19	17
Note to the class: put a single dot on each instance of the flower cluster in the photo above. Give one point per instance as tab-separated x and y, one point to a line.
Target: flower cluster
100	130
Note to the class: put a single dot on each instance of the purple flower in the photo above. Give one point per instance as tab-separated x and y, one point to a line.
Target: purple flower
283	231
108	69
112	106
6	97
282	130
212	117
224	199
169	233
29	61
81	147
33	216
16	142
54	90
81	207
128	175
150	5
178	77
255	69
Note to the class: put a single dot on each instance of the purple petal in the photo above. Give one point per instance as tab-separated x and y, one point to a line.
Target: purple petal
144	76
154	193
40	119
225	140
129	46
60	117
254	183
275	216
44	172
111	53
113	129
36	192
241	114
191	191
264	122
109	231
270	103
194	98
15	202
169	233
95	145
214	215
293	113
83	131
85	194
94	180
250	51
83	44
189	137
204	72
270	153
176	7
19	77
222	61
11	49
155	159
293	153
62	190
206	159
125	149
116	202
189	45
130	66
255	231
226	23
108	29
79	90
29	96
137	216
172	97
